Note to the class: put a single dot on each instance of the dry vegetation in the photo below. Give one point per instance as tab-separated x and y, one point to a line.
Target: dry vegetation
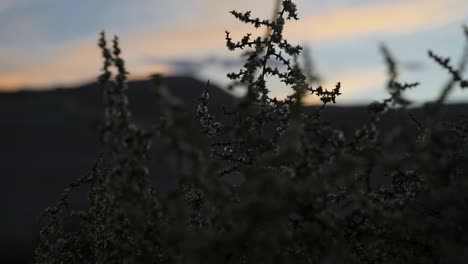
304	192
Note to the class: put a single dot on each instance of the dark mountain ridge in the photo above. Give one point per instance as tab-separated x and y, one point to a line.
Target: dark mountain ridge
49	138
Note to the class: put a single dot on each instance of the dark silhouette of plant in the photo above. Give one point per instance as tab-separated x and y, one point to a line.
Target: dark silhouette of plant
272	184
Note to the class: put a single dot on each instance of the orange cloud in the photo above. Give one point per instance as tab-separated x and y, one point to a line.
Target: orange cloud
71	65
388	17
200	36
352	82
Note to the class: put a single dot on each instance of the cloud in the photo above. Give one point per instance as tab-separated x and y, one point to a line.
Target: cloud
71	65
6	4
352	82
81	61
9	4
196	65
338	21
381	18
196	37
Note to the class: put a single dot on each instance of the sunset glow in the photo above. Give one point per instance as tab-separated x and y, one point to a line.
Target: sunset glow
55	56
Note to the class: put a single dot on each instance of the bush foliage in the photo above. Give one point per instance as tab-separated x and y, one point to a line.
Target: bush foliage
303	192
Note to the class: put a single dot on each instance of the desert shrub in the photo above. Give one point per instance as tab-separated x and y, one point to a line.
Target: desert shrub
303	193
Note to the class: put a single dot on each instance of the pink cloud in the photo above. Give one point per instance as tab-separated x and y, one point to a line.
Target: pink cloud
72	65
351	82
199	36
387	17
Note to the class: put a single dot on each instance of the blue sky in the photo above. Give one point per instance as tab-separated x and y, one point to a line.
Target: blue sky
50	43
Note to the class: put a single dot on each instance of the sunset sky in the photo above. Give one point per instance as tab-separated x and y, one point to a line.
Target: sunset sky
50	43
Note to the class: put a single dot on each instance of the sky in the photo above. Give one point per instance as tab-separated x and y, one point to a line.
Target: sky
53	43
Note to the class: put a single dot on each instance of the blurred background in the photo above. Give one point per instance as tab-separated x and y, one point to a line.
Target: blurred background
50	43
50	108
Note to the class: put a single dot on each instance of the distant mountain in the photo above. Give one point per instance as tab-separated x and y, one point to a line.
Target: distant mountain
50	138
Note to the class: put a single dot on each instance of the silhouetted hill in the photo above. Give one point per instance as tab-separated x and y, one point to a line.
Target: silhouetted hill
50	138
